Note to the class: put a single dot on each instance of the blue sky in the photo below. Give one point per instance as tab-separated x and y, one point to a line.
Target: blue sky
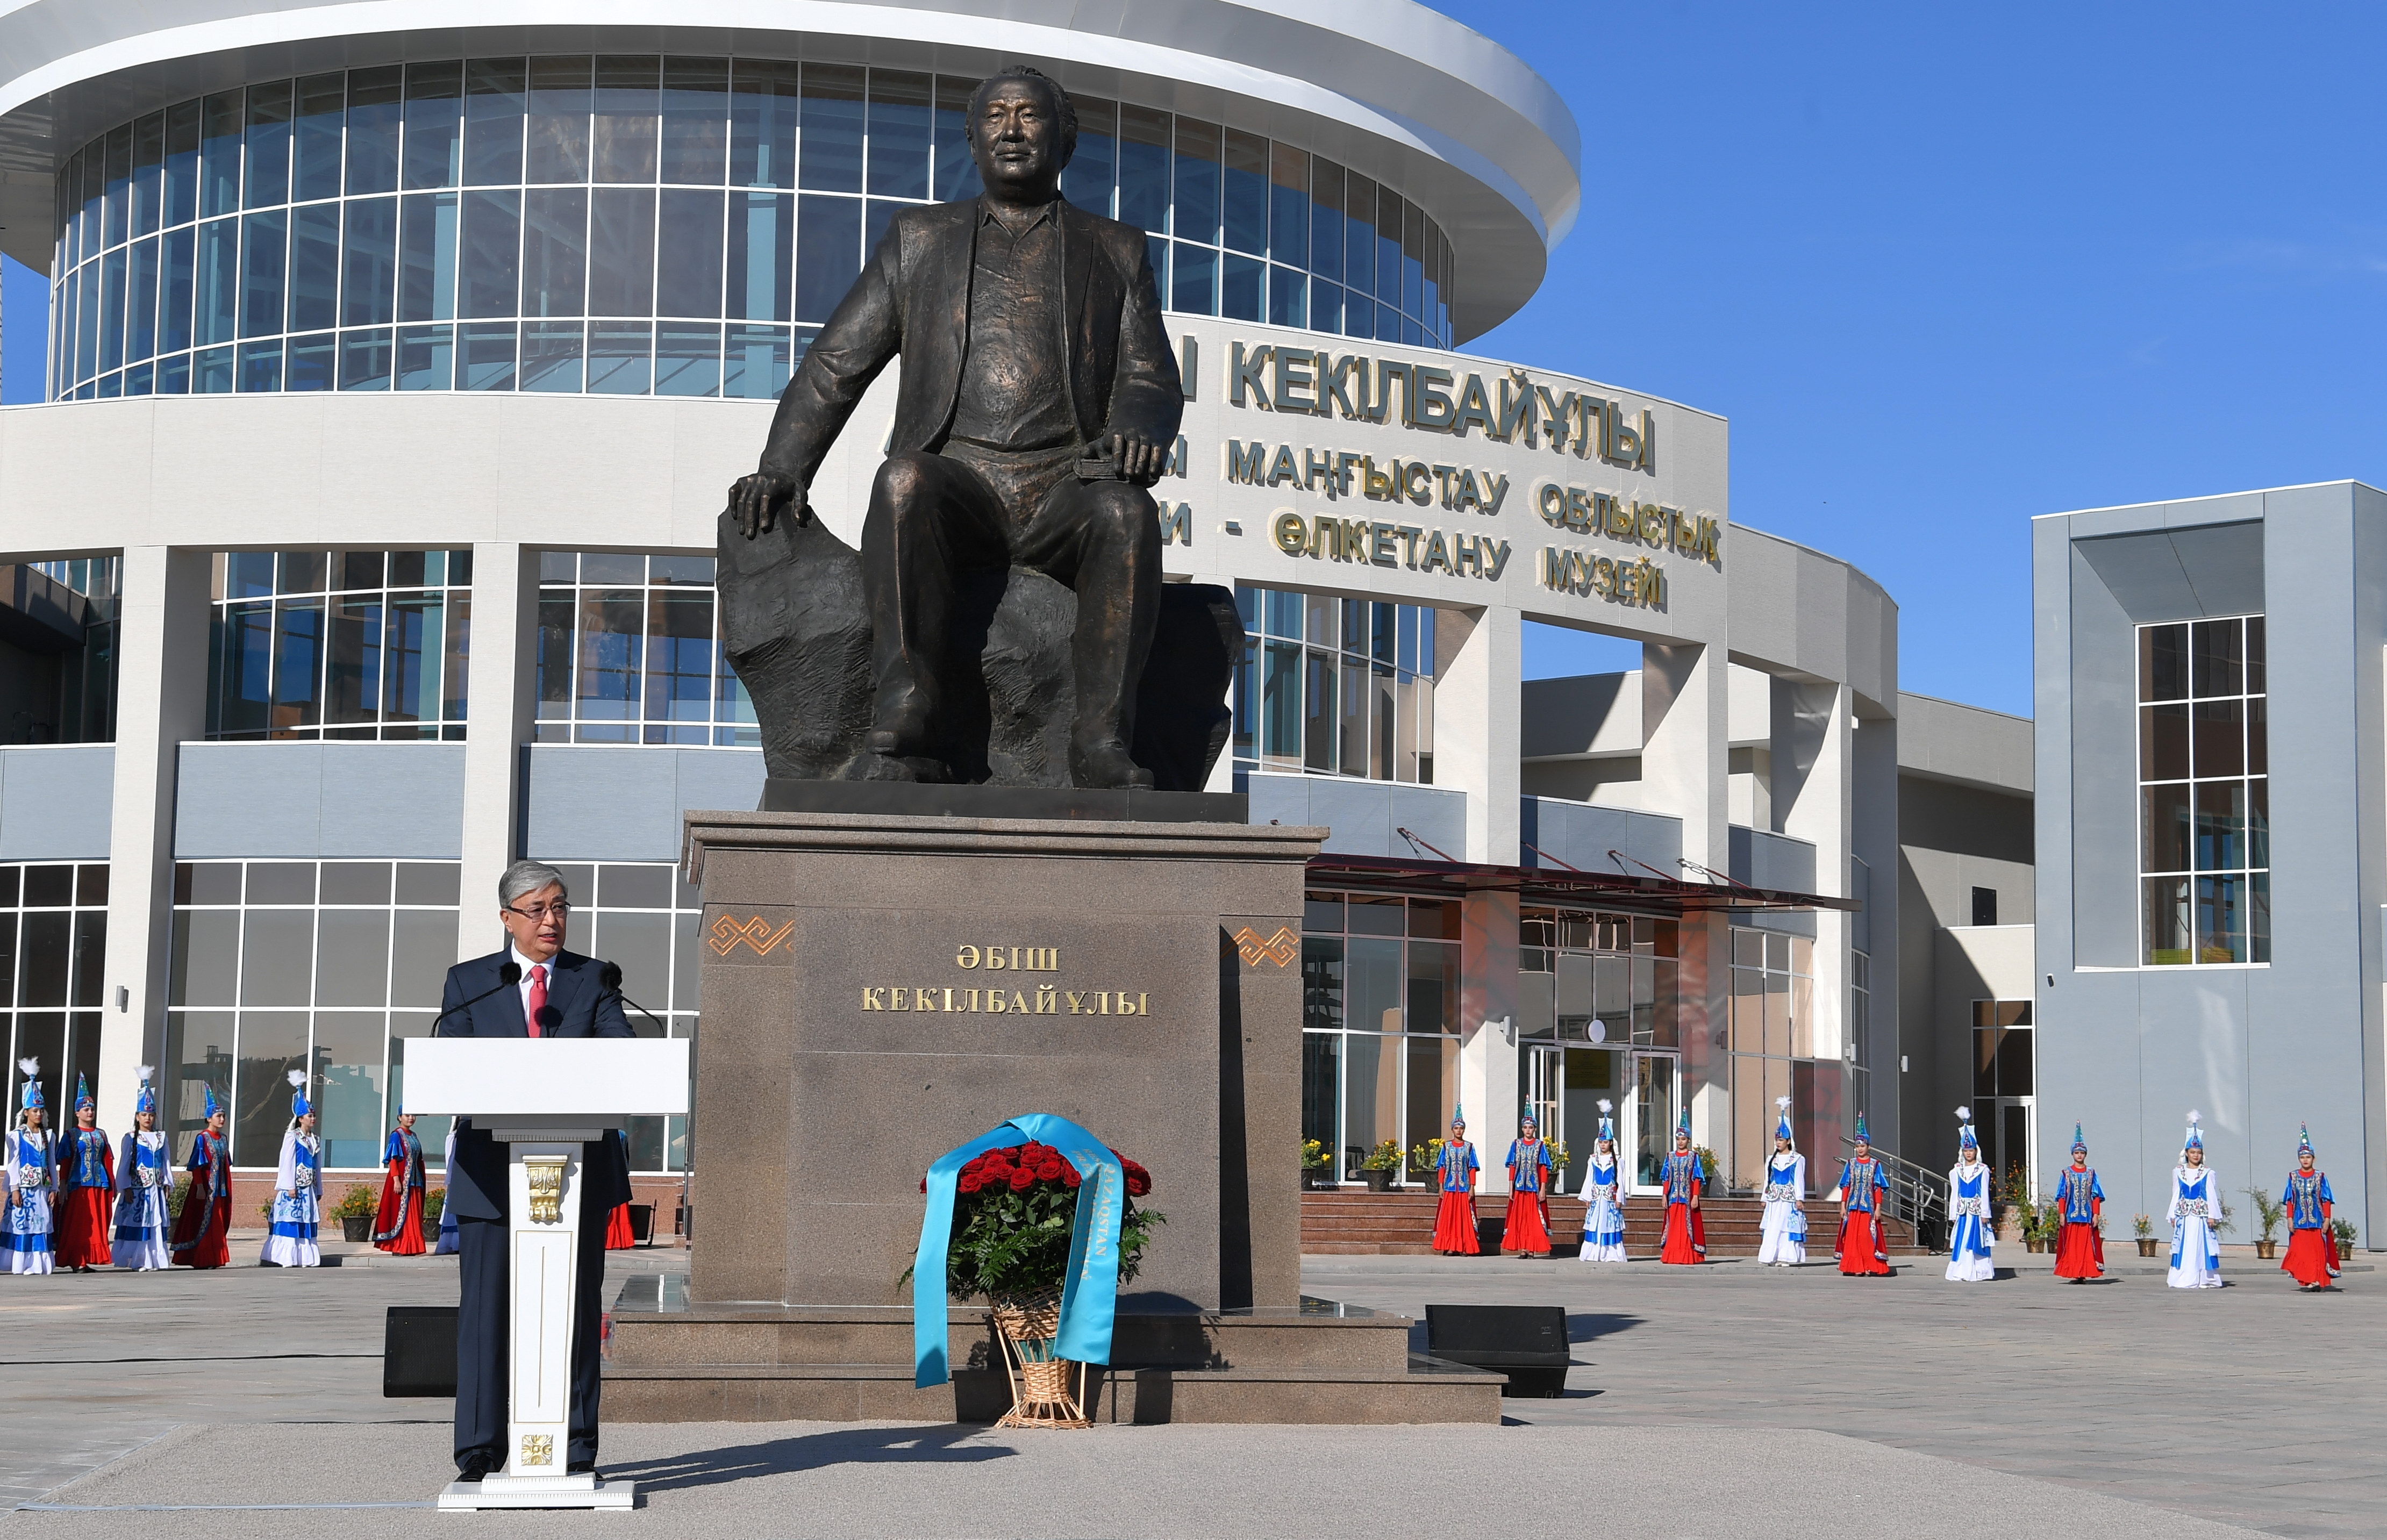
1946	268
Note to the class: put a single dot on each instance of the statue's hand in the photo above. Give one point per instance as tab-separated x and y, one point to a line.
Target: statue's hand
757	499
1140	460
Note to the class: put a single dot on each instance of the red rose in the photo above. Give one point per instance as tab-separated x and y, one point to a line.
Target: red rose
1050	1170
1070	1179
1138	1184
967	1182
924	1185
1022	1180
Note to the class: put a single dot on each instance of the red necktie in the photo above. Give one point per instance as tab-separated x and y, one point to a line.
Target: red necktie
536	1002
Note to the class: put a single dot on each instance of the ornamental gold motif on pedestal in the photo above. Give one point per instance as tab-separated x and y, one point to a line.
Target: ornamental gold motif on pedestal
546	1177
538	1448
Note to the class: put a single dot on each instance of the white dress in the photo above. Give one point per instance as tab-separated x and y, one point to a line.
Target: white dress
296	1206
2195	1247
31	1170
1603	1213
1784	1237
1970	1237
144	1178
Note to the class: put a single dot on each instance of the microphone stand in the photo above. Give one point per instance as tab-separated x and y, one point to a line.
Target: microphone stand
509	975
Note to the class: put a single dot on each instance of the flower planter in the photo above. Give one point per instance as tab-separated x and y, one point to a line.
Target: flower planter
430	1225
355	1227
2147	1245
2267	1250
2036	1246
1316	1182
1379	1181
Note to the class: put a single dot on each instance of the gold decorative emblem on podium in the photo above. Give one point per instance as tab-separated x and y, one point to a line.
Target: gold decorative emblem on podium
538	1448
546	1176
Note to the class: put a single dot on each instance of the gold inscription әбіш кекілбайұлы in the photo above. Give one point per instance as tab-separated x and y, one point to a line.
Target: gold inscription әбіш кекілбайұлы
993	1000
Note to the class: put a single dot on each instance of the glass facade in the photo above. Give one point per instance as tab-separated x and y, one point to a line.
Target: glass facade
1590	987
2204	794
1335	687
1379	1022
1771	1027
53	962
69	696
339	644
633	225
301	965
640	915
629	652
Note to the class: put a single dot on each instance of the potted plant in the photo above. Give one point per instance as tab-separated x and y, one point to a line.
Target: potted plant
1383	1164
1422	1159
1559	1159
1313	1163
435	1202
2269	1212
2341	1231
2144	1229
2014	1203
1015	1216
1708	1166
356	1210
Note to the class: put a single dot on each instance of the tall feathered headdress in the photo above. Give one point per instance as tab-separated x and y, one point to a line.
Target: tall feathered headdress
1861	1137
2195	1140
33	1094
2304	1139
83	1093
1458	1116
145	1099
2079	1145
1782	1123
299	1107
1965	1139
1607	1124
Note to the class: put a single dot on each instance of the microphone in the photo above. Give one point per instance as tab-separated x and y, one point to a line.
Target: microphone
509	975
609	978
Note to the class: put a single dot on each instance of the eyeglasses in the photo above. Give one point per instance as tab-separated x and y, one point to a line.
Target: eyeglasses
560	909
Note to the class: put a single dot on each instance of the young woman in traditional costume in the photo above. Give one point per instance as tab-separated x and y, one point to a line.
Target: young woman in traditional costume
297	1184
1782	1240
145	1175
1527	1231
27	1180
86	1187
1603	1196
619	1236
1684	1178
1969	1235
203	1232
1455	1170
2312	1250
2195	1215
1862	1250
398	1223
2079	1249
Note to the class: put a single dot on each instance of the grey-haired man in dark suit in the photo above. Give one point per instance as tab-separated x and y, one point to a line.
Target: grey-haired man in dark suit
1038	400
557	995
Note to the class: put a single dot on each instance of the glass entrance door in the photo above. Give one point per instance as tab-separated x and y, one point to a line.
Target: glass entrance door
2006	1138
1656	1082
1544	1079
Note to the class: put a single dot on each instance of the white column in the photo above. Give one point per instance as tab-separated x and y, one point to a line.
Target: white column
161	690
1488	997
500	704
1479	658
1812	792
1686	771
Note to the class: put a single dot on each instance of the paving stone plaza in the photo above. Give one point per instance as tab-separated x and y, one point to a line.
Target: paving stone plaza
1724	1400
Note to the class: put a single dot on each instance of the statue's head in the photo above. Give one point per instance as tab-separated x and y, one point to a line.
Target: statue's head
1022	130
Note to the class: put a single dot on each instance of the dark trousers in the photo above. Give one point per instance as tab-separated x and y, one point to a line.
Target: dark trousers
481	1315
933	513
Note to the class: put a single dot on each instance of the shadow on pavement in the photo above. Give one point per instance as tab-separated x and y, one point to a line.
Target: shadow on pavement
909	1446
1590	1328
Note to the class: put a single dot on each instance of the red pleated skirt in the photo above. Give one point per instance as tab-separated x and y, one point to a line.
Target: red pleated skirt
403	1216
1453	1225
1525	1230
202	1234
2312	1257
82	1224
1687	1236
2079	1252
1859	1249
617	1229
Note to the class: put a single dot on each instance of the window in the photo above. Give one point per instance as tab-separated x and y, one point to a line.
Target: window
53	965
629	224
339	644
1379	1022
2004	1086
629	652
1335	687
323	967
2204	825
1770	1028
65	684
1984	906
1594	977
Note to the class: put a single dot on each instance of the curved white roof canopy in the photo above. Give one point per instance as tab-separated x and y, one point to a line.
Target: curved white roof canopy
1398	91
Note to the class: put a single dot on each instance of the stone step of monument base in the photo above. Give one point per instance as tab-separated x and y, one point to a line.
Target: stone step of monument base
671	1359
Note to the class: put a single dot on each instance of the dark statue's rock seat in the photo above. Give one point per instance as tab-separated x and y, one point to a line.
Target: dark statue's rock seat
797	633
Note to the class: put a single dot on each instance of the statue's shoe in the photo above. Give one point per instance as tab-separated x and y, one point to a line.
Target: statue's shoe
1107	766
875	767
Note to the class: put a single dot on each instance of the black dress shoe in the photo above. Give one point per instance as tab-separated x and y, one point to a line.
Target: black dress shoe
472	1467
580	1468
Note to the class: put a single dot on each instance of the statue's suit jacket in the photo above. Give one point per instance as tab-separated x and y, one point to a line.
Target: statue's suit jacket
913	298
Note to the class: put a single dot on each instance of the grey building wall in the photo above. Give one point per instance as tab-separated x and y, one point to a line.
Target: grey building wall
2126	1050
1582	836
599	802
57	801
1365	816
304	802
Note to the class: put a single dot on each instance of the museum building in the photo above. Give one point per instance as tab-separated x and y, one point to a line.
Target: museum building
364	541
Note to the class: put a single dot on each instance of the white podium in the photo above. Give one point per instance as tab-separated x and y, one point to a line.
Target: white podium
543	1099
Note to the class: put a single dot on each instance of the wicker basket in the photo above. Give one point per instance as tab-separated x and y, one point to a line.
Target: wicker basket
1042	1392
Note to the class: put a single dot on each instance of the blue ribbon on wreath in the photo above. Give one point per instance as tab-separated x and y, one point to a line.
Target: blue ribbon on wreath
1089	1291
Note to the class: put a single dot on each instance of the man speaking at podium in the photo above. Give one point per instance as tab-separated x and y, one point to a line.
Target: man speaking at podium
534	989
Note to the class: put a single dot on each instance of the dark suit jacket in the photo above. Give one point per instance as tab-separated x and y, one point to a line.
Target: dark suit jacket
913	298
476	1179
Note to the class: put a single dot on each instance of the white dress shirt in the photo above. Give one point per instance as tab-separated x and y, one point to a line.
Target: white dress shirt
522	988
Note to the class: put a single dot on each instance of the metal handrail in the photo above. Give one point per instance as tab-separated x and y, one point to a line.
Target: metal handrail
1917	1197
